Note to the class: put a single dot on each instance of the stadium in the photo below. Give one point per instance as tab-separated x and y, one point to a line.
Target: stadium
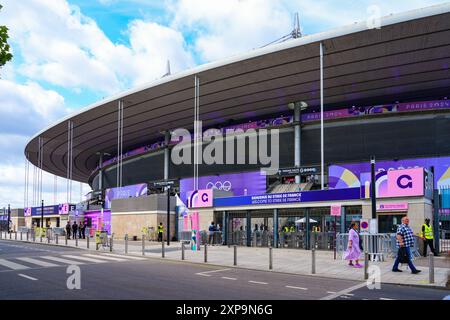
328	103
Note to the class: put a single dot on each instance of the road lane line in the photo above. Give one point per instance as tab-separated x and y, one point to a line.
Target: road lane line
331	292
342	292
12	265
299	288
386	299
25	276
258	282
83	258
204	275
122	256
228	278
66	261
104	257
38	262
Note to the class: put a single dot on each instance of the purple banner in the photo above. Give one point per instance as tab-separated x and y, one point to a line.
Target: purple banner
99	221
290	197
135	190
348	175
240	184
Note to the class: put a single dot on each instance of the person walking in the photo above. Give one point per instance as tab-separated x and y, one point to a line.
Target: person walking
68	228
80	229
74	229
405	240
160	232
353	248
427	237
211	230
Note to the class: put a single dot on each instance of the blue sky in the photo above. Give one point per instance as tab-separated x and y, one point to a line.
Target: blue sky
71	53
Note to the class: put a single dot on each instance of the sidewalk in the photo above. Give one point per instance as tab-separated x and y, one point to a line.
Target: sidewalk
292	261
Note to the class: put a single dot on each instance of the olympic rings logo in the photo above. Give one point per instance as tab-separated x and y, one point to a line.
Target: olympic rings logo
219	185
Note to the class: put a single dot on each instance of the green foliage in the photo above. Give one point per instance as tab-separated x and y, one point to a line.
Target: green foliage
5	55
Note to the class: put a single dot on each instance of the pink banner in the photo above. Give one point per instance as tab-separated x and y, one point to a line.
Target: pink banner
405	183
335	210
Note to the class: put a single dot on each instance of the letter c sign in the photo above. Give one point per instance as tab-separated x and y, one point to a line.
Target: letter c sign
205	197
402	179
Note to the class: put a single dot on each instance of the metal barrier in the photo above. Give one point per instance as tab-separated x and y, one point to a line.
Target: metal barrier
444	241
378	246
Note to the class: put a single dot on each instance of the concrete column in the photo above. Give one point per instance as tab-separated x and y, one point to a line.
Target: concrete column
275	228
166	155
297	139
249	229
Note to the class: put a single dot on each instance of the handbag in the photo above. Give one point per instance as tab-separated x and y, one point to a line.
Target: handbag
402	255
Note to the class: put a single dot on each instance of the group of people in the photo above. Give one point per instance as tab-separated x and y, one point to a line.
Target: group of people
404	243
76	228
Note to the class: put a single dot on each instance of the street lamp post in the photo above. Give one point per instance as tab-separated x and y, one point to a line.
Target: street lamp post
9	217
372	188
168	215
42	214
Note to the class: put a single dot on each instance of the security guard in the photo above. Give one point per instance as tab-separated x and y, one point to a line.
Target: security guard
427	236
160	232
292	229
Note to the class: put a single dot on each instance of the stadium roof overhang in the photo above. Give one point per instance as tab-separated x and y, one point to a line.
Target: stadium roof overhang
408	58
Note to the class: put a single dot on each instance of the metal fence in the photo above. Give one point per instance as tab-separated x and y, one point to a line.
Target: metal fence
444	243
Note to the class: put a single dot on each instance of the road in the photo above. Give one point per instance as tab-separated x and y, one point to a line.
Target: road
39	271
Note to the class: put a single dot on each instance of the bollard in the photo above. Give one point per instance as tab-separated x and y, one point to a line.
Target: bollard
143	245
87	241
366	265
206	253
15	235
111	243
163	254
21	235
313	260
270	258
48	239
66	240
41	237
126	243
431	267
254	239
76	241
10	235
235	255
182	250
57	238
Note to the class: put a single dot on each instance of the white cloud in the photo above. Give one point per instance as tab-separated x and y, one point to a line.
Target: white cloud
61	46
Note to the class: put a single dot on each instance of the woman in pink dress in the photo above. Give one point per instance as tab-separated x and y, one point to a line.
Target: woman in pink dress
353	250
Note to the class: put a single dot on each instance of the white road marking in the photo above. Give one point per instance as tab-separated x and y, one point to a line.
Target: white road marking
227	278
12	265
121	256
215	271
386	299
349	294
104	257
204	275
66	261
342	292
258	282
331	292
25	276
83	258
37	262
299	288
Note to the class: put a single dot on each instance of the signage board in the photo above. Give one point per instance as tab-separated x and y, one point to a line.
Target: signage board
162	183
201	199
403	206
364	225
335	210
297	171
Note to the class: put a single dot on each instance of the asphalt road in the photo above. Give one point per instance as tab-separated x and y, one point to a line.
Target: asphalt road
38	271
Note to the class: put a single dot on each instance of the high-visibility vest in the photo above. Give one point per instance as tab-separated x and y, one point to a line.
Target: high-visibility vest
428	231
160	229
292	229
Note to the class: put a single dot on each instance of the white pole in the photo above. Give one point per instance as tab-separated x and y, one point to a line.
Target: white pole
321	119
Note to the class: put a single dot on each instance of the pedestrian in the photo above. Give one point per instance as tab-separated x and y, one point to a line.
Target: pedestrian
80	230
405	240
74	229
68	228
84	230
427	237
160	232
353	247
211	230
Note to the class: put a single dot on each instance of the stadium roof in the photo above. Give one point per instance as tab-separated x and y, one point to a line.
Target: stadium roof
407	58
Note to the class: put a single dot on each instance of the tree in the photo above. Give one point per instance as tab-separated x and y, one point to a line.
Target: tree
5	55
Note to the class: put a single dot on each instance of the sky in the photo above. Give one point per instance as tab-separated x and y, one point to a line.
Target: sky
71	53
